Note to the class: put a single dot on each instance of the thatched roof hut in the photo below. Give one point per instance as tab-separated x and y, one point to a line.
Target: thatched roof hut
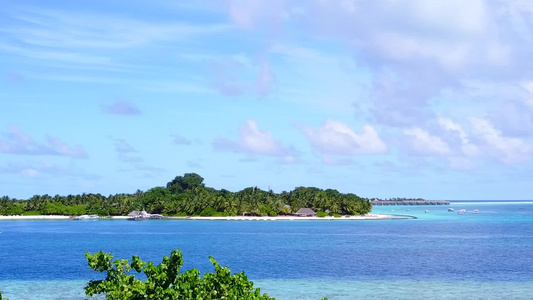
305	212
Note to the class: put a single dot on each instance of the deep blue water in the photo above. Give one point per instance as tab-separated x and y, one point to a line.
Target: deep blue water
439	255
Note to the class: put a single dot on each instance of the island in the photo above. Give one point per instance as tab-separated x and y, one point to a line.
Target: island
187	195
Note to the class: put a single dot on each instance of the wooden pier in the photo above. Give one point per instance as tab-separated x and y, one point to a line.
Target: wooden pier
409	202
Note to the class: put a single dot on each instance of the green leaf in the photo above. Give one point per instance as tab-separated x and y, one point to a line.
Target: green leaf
165	281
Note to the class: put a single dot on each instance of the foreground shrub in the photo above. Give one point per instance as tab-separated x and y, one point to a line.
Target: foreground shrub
165	281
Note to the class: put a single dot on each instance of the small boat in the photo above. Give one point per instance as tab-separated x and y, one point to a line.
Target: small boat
426	211
461	211
450	209
137	215
143	215
86	217
475	211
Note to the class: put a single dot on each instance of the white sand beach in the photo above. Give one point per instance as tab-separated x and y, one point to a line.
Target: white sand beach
295	218
34	218
236	218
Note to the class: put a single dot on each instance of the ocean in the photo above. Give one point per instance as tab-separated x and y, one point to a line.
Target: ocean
438	255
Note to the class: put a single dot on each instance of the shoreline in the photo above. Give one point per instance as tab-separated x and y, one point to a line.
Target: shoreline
235	218
295	218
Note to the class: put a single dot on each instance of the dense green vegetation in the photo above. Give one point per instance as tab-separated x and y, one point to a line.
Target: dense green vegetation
188	195
165	281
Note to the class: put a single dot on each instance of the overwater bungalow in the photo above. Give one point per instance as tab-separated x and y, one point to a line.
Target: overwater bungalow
409	202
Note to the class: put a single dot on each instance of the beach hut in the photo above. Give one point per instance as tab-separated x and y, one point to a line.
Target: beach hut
305	212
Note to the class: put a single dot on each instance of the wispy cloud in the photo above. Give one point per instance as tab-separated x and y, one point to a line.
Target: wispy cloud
194	164
231	76
42	170
18	142
123	147
123	108
91	40
132	160
225	76
265	80
181	140
70	29
125	150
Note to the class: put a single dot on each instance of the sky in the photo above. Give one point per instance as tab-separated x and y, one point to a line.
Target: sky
384	98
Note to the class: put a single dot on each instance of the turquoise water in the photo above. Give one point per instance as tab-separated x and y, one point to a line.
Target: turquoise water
439	255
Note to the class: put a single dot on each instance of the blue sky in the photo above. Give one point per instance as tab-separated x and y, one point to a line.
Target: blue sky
382	98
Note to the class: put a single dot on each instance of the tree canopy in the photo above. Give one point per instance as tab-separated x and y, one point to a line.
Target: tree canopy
165	281
189	181
187	195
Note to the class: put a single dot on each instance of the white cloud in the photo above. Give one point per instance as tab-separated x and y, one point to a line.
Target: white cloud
337	138
422	142
463	147
451	15
452	126
257	141
505	149
254	141
430	47
418	48
467	148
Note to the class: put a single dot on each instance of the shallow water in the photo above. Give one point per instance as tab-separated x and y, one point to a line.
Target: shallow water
440	255
311	289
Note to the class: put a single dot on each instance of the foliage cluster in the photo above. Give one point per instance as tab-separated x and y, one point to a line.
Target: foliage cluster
187	195
165	281
321	214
